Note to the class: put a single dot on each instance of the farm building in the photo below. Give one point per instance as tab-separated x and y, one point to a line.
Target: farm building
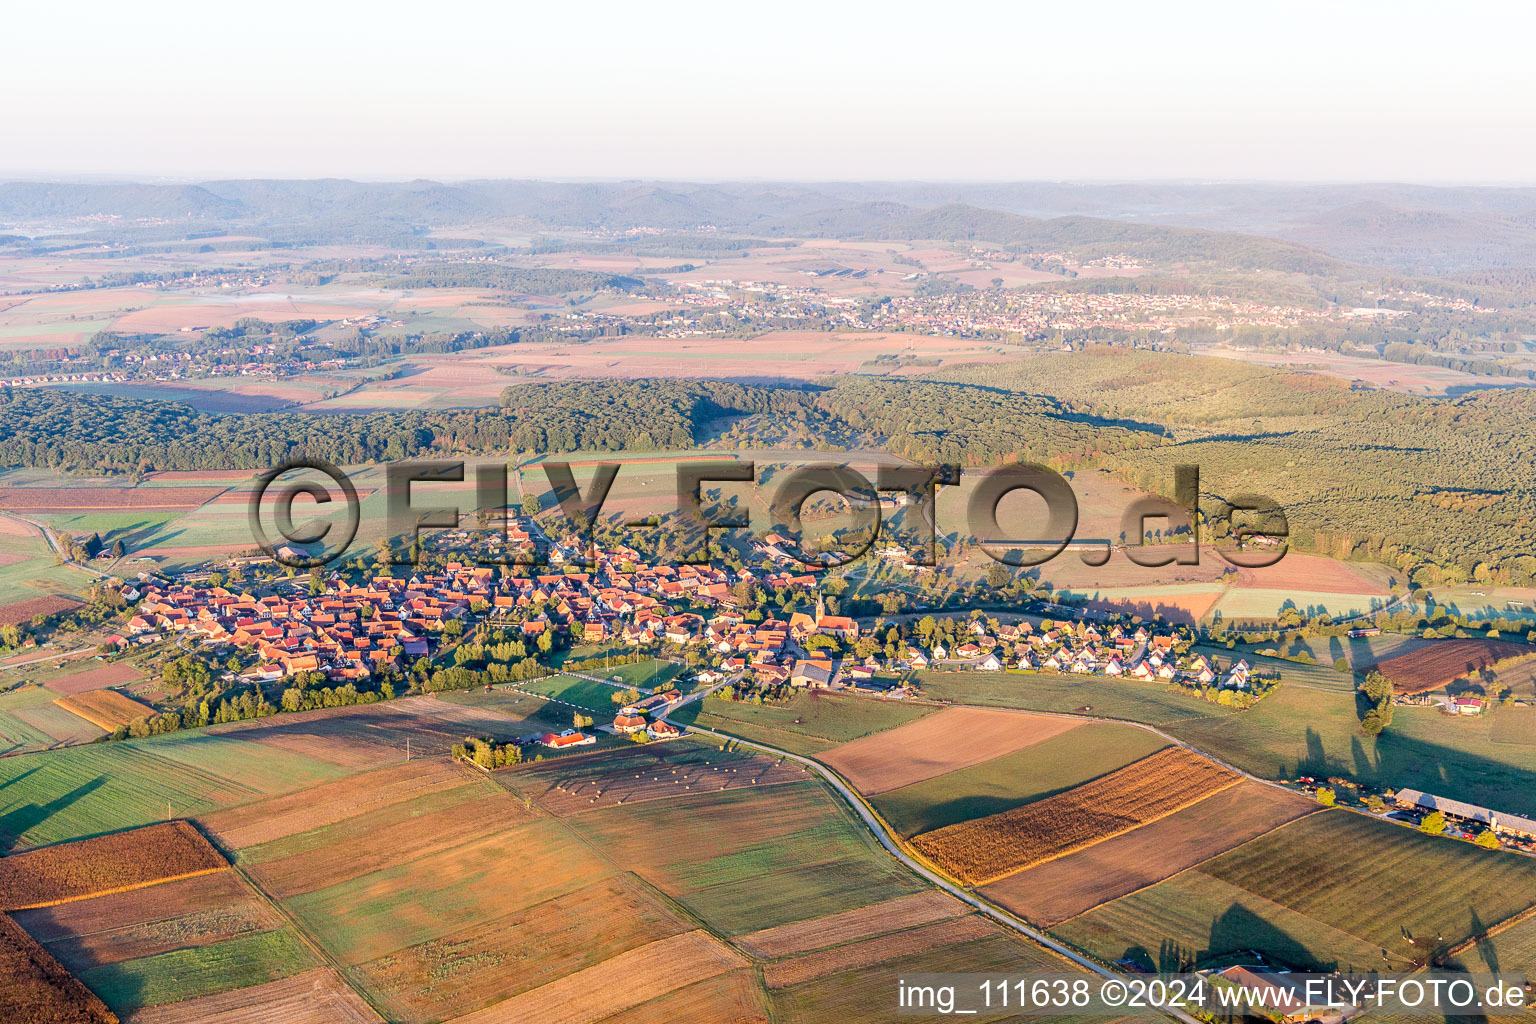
568	738
1511	823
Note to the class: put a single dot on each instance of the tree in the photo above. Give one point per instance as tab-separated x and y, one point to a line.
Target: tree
998	576
1326	796
1433	824
1341	665
1487	840
532	506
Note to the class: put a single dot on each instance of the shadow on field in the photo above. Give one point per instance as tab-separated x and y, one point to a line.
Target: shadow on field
17	823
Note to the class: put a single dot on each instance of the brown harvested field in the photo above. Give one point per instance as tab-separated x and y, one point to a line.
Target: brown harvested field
313	997
93	867
1445	661
23	612
1050	893
785	973
37	988
375	735
267	820
106	709
70	499
653	772
938	744
377	844
468	970
1313	573
200	474
892	915
162	902
244	915
985	850
96	678
734	998
616	984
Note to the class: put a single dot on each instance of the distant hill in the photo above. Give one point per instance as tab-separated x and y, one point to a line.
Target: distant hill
1409	228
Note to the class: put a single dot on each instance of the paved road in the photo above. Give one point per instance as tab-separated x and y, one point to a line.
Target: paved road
888	842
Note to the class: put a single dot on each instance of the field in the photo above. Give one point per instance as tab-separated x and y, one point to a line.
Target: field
38	989
1435	665
23	612
809	723
277	818
96	678
191	972
55	499
635	774
583	693
1151	703
84	791
987	849
836	929
713	853
105	709
869	952
310	997
29	720
1334	888
114	863
1049	893
617	984
1297	731
1044	769
952	739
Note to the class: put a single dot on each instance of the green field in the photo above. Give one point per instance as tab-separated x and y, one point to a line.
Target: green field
1330	889
84	791
37	574
596	697
199	970
16	734
1128	700
1298	731
807	724
746	859
1026	775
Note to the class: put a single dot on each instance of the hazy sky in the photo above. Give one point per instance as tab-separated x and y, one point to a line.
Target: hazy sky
1404	91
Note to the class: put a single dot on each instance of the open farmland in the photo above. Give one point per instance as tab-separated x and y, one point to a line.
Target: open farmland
1049	893
106	709
311	997
952	739
617	984
107	864
1328	889
29	720
188	912
987	849
1037	771
73	499
635	774
1434	665
87	790
93	678
809	723
268	821
195	971
23	612
835	929
38	989
713	853
1298	731
1152	703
